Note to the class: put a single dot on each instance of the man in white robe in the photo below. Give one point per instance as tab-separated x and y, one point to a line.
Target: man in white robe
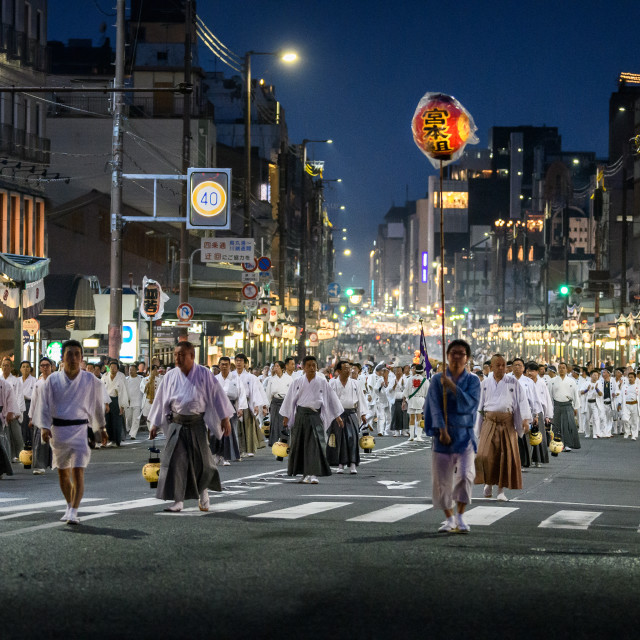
71	400
10	407
228	447
133	411
251	438
506	414
343	449
630	407
311	405
13	425
42	457
195	402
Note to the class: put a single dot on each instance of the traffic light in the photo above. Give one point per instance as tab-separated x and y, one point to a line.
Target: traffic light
466	309
564	289
348	292
356	296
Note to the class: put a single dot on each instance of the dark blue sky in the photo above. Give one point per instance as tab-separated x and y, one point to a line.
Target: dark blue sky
365	65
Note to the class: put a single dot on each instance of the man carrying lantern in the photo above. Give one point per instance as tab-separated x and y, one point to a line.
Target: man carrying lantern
189	402
454	443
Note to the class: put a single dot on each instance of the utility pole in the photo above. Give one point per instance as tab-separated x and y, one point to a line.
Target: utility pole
302	282
186	161
115	279
623	252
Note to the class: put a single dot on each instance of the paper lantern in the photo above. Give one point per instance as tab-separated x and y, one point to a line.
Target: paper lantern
442	128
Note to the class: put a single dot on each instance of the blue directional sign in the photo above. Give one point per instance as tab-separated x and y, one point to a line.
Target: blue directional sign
334	289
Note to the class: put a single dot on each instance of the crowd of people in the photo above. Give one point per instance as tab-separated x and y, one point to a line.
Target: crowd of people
487	423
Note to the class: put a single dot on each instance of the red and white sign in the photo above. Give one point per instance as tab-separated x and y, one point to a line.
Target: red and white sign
273	314
185	312
250	266
313	337
250	291
263	309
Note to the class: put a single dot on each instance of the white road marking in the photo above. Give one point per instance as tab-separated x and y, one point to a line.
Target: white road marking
484	516
358	495
51	525
392	513
231	505
19	514
128	504
577	504
570	520
301	510
42	505
11	499
394	484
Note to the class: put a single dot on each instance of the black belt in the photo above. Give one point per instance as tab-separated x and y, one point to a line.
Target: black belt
607	401
59	422
590	400
348	411
187	420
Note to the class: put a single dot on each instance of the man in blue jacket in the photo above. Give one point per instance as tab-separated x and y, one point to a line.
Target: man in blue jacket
454	443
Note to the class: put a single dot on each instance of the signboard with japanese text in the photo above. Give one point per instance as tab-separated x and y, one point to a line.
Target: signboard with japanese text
236	250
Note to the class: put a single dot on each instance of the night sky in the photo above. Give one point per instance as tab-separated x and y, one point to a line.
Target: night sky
365	65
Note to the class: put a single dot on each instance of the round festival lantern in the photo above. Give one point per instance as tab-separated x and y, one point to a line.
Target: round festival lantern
556	446
280	450
367	443
442	128
151	471
535	437
26	458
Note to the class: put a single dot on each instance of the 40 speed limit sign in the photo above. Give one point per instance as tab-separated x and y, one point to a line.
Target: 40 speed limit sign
209	199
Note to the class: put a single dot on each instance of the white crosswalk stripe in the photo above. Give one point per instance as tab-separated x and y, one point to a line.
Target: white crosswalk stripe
219	507
301	510
565	519
485	516
19	514
42	505
52	525
392	513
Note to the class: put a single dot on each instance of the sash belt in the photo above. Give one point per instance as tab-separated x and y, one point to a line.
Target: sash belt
59	422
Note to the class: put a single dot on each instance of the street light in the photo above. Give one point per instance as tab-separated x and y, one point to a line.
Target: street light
287	57
347	252
304	224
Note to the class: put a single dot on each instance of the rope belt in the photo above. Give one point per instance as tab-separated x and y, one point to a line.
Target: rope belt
632	402
187	421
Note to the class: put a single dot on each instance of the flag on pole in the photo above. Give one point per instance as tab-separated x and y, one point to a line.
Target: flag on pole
424	356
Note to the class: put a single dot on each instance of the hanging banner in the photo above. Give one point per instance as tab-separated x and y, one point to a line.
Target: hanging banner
33	299
9	301
153	299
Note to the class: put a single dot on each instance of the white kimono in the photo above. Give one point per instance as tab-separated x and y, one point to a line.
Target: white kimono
234	389
16	385
8	400
350	395
66	399
415	403
198	392
256	396
316	394
117	386
505	396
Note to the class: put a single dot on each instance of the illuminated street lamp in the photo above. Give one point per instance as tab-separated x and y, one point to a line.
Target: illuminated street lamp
347	252
285	56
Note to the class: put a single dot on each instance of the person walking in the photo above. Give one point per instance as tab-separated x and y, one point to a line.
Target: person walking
69	402
454	442
188	403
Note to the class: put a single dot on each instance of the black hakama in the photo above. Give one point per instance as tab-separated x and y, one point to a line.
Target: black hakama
565	424
276	424
114	425
307	449
187	466
227	447
345	441
42	455
399	418
27	434
5	451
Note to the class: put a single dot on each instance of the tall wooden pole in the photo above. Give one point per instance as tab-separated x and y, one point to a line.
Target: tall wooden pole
442	306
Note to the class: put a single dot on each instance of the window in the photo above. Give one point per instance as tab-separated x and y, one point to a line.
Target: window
16	225
39	228
163	56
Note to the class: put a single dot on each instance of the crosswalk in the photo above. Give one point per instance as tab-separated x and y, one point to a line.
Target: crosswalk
17	513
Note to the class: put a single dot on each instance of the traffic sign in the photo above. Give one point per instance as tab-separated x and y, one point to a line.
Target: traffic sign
250	305
250	291
185	312
264	263
234	250
334	300
250	266
31	325
265	276
209	203
249	277
334	289
26	336
313	338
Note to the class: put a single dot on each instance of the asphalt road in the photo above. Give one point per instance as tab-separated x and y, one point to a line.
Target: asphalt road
352	557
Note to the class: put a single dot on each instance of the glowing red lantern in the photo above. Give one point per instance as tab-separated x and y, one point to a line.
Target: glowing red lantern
442	127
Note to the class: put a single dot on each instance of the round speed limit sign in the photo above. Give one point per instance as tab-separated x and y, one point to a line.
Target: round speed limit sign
208	199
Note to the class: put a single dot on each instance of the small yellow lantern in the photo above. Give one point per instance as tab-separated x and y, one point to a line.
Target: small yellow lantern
26	458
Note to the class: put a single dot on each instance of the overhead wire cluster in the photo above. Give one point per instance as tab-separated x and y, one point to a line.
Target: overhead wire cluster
215	45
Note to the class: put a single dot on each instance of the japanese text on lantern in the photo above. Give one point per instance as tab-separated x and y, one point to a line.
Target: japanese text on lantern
436	125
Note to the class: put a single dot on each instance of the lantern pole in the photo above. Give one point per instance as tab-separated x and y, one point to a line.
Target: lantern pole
444	346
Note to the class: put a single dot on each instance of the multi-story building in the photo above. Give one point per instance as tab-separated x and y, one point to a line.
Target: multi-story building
24	154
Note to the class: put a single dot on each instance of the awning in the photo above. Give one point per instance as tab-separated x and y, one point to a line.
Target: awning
23	268
68	305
